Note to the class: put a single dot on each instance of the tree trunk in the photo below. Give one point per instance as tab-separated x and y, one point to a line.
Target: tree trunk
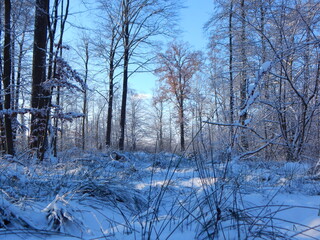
12	80
63	19
124	101
111	93
2	131
125	75
231	88
161	145
243	83
181	120
6	79
85	100
170	133
40	94
110	108
19	69
133	126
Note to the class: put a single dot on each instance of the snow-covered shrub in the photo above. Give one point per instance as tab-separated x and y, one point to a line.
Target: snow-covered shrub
113	194
61	216
6	214
11	216
222	211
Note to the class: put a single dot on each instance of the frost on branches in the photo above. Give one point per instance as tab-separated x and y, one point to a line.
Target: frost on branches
66	77
252	89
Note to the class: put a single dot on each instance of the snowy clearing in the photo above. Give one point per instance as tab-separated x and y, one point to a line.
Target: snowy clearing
158	196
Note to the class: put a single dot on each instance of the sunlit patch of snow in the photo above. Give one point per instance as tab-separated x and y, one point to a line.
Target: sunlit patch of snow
154	169
282	181
185	170
141	186
314	230
249	178
74	171
198	182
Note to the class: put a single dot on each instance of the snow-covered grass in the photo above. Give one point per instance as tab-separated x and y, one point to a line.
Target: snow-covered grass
157	196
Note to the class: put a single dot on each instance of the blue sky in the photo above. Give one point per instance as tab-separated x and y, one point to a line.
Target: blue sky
193	17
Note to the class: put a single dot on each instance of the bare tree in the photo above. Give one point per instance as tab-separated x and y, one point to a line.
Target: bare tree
277	109
158	102
231	87
85	95
177	66
64	13
109	48
140	21
43	82
83	52
40	94
7	79
243	75
135	130
2	131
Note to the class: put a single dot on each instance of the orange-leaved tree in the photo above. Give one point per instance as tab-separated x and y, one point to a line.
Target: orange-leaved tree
176	68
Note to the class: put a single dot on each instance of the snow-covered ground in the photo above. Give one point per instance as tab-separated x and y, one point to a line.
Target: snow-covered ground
158	196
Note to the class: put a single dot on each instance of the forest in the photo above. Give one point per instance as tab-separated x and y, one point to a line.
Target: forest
228	134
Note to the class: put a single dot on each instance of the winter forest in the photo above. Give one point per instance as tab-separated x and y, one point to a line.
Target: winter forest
226	145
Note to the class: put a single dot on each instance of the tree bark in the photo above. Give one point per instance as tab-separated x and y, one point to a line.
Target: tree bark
85	98
63	20
40	94
161	145
6	79
111	88
2	131
125	73
231	88
182	122
243	83
124	100
110	109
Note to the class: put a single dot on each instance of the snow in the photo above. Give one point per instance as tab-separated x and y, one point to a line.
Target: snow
158	196
265	67
247	121
252	88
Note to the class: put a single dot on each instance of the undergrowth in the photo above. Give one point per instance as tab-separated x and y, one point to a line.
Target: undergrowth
154	196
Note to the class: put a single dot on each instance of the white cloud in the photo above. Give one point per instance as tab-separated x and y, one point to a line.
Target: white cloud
142	96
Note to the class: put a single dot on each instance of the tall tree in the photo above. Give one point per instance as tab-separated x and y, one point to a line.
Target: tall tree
85	59
109	48
126	38
113	64
243	75
2	131
64	13
141	20
280	36
135	130
231	87
177	66
7	78
22	21
158	102
40	94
